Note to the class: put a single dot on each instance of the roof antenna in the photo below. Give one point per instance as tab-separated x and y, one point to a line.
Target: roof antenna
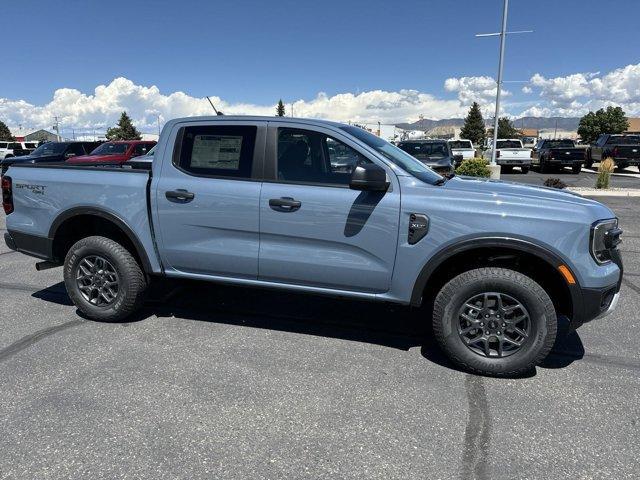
214	107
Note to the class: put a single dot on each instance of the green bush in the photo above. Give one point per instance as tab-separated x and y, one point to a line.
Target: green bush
474	167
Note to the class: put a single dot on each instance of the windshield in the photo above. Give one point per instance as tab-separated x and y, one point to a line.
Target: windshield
460	144
151	152
111	149
425	149
561	144
49	149
509	144
392	153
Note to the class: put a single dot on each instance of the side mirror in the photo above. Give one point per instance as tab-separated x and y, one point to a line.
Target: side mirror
369	177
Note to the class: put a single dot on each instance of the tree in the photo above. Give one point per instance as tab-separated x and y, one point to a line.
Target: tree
611	120
5	133
473	128
124	130
506	129
280	109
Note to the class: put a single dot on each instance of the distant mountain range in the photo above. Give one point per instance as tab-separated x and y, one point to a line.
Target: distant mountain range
563	123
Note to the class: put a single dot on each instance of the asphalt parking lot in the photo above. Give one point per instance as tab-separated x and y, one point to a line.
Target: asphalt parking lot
214	382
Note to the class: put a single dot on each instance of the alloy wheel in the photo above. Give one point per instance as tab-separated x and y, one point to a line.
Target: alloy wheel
97	280
493	324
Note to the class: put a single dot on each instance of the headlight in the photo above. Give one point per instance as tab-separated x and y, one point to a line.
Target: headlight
605	236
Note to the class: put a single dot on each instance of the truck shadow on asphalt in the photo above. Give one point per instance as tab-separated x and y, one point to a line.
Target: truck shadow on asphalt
382	324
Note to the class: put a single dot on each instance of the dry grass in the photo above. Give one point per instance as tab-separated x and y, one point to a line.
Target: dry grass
604	173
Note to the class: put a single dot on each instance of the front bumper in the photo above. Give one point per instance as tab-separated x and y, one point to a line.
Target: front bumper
594	303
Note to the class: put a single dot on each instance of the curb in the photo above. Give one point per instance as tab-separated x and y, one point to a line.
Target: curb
613	174
596	192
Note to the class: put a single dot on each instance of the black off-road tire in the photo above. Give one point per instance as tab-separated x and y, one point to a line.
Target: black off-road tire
576	168
543	321
132	281
525	170
544	166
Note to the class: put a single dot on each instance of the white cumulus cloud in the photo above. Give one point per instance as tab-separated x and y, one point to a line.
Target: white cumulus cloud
474	89
576	94
144	104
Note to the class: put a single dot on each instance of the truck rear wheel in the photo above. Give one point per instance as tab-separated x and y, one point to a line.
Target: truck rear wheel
103	279
494	321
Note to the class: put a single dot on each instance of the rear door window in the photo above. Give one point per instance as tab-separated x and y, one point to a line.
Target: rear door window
218	151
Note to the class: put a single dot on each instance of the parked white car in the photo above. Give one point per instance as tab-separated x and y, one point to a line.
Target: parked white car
10	149
510	153
462	147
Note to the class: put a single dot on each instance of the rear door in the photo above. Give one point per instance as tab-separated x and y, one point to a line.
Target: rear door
207	199
314	229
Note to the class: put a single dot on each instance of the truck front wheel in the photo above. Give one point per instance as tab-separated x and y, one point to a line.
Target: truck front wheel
494	321
103	279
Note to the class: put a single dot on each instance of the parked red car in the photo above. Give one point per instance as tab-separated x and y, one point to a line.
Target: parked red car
115	152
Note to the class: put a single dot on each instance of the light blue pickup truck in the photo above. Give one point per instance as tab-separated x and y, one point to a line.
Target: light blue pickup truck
262	202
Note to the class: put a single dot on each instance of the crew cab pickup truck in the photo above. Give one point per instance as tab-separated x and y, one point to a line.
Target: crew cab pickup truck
550	154
623	149
256	202
510	153
114	152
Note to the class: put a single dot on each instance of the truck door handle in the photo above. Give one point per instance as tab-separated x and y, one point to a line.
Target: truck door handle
180	195
284	204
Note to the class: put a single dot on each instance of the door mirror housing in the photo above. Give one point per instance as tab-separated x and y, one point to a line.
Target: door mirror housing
369	177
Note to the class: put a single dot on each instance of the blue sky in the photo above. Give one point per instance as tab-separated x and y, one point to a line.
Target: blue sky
254	52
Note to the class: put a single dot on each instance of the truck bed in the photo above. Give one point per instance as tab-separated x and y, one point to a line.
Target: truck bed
44	195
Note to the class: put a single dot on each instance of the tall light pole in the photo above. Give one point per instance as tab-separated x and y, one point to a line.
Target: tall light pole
503	37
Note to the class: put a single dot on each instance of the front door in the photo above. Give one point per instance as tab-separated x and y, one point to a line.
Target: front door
314	229
207	200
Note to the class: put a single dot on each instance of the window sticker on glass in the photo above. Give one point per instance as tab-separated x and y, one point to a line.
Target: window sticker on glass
216	151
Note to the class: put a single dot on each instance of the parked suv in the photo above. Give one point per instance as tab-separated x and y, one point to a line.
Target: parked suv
623	149
52	152
258	202
9	149
436	154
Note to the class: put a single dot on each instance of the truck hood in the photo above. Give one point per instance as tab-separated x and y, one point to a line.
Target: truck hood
516	199
515	191
99	159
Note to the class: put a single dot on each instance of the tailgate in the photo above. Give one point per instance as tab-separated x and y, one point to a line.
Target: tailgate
518	153
627	151
567	153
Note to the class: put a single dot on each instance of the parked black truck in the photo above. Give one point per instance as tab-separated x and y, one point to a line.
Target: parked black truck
623	149
553	154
